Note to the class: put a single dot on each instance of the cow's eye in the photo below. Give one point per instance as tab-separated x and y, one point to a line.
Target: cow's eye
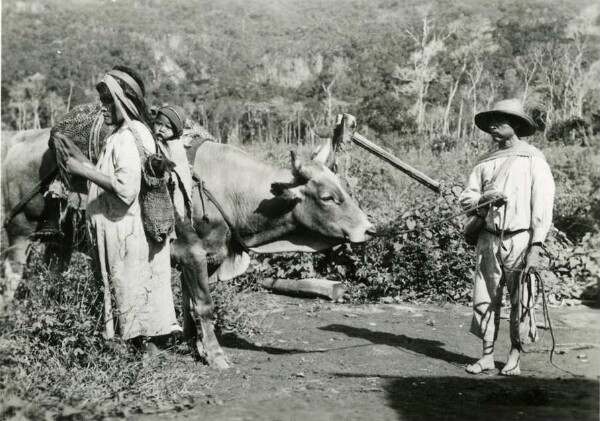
327	198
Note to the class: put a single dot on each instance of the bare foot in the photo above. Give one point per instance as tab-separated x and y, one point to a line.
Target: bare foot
485	363
513	364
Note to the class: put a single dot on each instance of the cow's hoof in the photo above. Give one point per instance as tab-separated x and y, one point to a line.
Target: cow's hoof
220	363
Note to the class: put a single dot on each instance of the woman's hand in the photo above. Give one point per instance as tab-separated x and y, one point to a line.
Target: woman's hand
76	167
75	162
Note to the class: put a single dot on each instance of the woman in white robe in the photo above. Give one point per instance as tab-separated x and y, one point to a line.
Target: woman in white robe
136	271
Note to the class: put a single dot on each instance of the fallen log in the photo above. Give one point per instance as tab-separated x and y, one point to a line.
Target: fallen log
311	287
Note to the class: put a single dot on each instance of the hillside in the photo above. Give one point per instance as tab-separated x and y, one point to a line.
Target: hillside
278	71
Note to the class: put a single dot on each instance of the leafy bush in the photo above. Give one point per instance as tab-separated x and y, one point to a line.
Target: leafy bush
577	202
576	269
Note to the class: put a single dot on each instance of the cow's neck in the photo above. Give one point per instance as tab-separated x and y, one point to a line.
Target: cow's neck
266	219
269	235
242	185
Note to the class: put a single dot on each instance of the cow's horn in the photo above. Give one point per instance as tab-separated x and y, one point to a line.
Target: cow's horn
323	152
298	170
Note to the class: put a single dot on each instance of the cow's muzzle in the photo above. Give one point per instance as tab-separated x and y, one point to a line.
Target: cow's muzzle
360	236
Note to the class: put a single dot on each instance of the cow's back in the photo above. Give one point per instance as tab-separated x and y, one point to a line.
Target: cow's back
6	141
27	160
230	172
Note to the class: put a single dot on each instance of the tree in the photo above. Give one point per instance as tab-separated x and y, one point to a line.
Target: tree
582	73
415	79
54	106
471	41
18	105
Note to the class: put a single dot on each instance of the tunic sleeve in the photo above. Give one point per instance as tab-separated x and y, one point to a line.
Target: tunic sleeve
542	199
470	196
126	180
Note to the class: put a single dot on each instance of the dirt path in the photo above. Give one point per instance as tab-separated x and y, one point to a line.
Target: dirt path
320	361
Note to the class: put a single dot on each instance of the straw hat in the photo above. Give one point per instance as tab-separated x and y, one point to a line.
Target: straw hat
511	108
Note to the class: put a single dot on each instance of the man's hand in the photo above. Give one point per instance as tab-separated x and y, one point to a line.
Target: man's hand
497	198
533	260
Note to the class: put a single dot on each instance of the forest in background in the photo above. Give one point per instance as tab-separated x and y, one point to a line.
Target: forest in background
413	72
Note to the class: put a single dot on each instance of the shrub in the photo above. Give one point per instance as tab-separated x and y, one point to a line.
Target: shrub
575	268
577	202
430	263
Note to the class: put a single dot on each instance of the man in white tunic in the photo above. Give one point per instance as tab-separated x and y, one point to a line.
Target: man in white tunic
515	177
135	270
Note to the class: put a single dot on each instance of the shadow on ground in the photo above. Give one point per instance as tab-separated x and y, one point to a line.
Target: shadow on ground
231	340
462	398
489	398
427	347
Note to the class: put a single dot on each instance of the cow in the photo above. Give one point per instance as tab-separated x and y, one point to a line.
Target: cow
25	162
263	209
7	139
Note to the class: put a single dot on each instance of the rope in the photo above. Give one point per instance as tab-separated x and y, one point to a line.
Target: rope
417	228
201	189
234	232
541	290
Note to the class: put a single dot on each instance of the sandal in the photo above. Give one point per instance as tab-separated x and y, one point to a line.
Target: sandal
479	369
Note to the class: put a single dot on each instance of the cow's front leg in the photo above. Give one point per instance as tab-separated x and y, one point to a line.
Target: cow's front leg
200	304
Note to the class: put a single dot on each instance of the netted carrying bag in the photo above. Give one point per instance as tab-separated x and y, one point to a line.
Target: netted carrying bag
85	127
158	212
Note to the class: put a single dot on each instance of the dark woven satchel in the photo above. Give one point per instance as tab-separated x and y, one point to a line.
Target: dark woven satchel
85	127
158	212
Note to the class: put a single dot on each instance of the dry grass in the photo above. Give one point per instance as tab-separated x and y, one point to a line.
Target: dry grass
52	353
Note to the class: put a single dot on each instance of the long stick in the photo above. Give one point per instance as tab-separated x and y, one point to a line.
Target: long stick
391	159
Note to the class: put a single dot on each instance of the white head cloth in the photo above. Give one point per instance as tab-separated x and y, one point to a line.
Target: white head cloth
123	103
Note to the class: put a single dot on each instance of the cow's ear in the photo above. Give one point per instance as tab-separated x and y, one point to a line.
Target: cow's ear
287	192
302	173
